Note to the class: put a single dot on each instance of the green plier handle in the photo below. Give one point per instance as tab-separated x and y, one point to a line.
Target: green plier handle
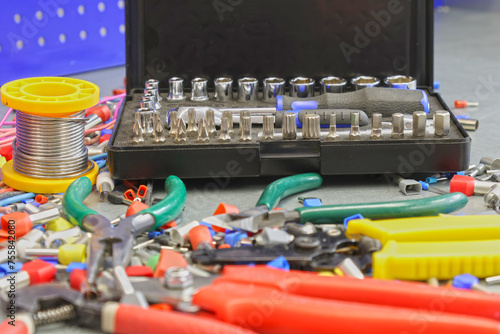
287	186
432	206
167	209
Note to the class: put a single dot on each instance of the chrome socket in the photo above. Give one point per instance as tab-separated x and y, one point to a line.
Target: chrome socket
247	89
376	126
364	81
156	85
401	82
223	89
268	127
154	92
441	123
419	123
199	89
398	126
302	87
311	128
289	127
333	134
333	85
354	134
176	89
273	87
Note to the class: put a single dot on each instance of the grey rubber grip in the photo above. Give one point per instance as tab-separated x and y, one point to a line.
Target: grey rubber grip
343	116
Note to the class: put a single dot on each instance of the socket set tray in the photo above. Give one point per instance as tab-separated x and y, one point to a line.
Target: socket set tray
259	157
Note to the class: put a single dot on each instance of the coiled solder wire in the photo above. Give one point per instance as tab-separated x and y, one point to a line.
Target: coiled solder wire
50	147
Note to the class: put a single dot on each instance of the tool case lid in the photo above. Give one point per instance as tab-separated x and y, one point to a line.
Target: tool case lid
284	38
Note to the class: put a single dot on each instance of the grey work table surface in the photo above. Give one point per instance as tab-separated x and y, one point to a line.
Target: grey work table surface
466	64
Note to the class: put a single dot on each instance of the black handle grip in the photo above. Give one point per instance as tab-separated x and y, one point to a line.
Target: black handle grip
343	116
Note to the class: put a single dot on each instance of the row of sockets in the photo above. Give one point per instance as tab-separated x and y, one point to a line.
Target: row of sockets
248	87
150	124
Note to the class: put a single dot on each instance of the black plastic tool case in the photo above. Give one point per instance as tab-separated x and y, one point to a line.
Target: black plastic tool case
284	38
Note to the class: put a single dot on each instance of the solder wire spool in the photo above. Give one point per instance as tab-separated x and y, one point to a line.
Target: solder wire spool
49	151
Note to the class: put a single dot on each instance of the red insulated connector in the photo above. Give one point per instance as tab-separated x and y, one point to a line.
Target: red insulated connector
142	191
41	199
224	208
200	236
6	152
168	225
161	307
224	246
102	111
119	91
139	271
460	104
77	278
462	184
22	222
104	138
135	207
129	194
168	259
39	271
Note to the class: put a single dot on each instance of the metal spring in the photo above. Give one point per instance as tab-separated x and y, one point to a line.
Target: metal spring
54	315
49	147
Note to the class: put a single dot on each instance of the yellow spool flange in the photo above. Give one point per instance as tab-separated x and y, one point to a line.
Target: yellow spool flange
47	97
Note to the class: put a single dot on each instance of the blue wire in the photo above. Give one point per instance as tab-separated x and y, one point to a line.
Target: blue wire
99	156
15	199
101	164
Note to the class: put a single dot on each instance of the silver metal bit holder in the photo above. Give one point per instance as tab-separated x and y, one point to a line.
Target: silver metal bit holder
419	123
173	123
176	89
333	84
354	134
180	133
203	135
224	133
199	89
302	87
246	128
441	123
192	128
156	85
364	81
311	128
289	127
148	102
223	89
229	115
376	126
154	93
333	134
398	126
210	118
137	130
146	119
268	127
401	82
273	87
247	89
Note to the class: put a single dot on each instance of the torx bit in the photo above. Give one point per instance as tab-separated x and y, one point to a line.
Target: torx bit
176	87
268	127
159	131
289	128
311	128
180	133
354	134
441	123
398	126
419	120
210	117
333	134
377	126
154	93
173	123
246	128
203	135
192	128
224	134
138	131
229	115
156	85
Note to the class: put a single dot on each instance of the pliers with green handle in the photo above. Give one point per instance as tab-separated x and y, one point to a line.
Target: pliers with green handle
118	240
262	215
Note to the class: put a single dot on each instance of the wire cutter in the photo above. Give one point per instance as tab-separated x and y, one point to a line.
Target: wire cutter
117	241
263	215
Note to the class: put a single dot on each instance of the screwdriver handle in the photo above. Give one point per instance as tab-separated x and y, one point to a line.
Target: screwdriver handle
343	116
386	101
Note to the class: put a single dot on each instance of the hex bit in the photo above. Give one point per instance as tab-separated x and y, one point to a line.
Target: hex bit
354	134
376	126
441	123
333	134
419	123
398	126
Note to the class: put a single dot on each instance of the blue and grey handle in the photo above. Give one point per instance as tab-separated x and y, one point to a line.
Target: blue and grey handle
343	117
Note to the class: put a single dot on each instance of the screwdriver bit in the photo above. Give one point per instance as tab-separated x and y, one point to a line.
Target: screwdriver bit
268	127
173	123
243	113
138	132
159	131
311	128
289	128
203	135
354	134
246	128
224	134
371	99
333	134
180	134
419	120
377	126
192	128
398	126
441	123
210	117
229	115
